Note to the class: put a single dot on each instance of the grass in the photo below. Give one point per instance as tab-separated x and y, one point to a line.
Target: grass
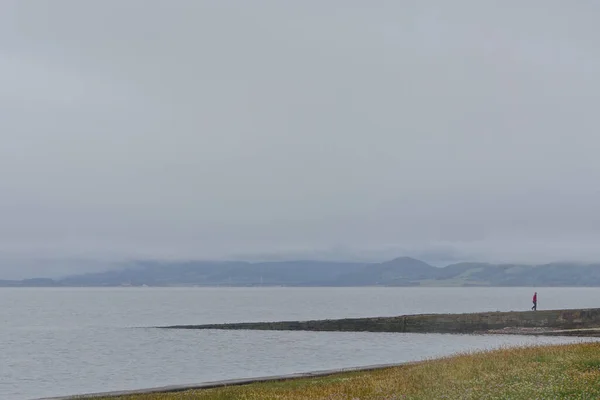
548	372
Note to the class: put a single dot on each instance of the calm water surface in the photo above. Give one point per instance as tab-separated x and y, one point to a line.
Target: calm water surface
69	341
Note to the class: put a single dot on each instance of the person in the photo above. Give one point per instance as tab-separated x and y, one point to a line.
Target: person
534	302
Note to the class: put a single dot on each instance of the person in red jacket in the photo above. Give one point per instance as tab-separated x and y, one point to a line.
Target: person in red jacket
534	302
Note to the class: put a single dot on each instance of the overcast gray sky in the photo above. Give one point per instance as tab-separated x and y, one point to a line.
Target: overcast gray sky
212	128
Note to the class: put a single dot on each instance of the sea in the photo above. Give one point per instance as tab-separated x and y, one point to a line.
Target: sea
68	341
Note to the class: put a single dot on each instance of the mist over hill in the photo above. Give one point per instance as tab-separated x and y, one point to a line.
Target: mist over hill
402	271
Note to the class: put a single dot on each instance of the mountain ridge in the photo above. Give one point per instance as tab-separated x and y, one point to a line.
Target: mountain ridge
401	271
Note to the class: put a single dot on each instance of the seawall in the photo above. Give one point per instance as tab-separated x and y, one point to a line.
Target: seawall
231	382
430	323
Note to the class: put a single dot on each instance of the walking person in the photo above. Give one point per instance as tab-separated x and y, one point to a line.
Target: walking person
534	302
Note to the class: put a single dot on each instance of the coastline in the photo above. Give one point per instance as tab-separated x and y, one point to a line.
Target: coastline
567	323
438	366
520	373
542	322
231	382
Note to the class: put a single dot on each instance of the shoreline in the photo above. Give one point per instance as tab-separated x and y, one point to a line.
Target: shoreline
542	322
222	384
315	374
567	323
521	373
232	382
584	332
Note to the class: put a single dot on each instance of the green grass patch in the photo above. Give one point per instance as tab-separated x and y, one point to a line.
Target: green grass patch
548	372
590	365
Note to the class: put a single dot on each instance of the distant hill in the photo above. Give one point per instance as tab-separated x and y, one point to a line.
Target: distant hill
402	271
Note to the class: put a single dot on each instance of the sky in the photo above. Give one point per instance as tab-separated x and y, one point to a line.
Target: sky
204	129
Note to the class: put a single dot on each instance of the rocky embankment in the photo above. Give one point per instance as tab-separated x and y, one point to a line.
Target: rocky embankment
589	332
578	322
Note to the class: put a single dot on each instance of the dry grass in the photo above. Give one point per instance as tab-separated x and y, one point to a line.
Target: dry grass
551	372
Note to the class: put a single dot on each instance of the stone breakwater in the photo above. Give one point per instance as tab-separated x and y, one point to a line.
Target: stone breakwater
547	321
